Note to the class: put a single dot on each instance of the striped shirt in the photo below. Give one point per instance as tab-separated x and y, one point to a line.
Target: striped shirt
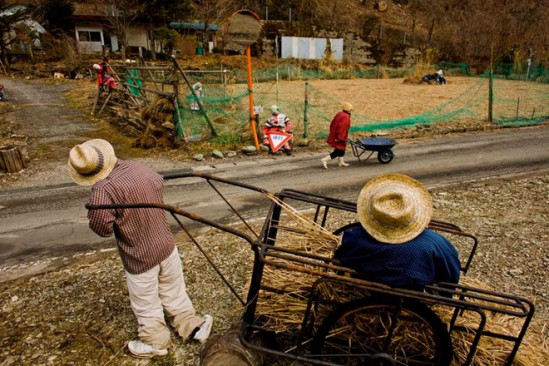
144	236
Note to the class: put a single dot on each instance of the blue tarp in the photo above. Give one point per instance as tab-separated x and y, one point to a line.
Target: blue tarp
197	26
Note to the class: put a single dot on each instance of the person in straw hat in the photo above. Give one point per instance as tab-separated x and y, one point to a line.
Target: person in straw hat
392	245
146	245
339	130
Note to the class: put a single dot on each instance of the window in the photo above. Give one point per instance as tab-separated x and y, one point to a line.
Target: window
89	36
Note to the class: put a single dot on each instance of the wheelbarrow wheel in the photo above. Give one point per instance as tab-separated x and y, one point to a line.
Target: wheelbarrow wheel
385	157
391	330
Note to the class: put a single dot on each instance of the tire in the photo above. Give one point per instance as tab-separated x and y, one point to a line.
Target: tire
362	327
385	156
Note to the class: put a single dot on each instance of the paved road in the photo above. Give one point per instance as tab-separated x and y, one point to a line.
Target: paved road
52	221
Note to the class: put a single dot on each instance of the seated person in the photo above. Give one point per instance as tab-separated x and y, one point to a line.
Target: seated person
393	245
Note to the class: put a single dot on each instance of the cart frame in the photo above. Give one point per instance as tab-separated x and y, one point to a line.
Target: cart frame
327	270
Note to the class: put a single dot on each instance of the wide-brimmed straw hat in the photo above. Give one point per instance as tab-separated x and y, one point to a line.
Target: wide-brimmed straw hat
394	208
347	107
91	161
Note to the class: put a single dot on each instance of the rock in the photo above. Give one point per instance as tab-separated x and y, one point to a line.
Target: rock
303	142
218	154
249	150
193	138
515	272
231	154
198	157
264	148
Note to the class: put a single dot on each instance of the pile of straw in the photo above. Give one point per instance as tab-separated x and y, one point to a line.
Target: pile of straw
283	312
533	351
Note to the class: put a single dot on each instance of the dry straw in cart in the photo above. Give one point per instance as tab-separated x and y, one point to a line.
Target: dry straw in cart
284	312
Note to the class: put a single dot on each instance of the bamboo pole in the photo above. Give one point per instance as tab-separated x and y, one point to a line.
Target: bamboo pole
251	97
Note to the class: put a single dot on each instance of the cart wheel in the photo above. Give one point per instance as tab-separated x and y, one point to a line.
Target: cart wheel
405	331
385	157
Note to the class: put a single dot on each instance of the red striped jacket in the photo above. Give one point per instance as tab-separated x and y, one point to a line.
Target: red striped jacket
143	234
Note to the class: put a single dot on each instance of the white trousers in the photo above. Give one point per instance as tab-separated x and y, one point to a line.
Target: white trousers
162	289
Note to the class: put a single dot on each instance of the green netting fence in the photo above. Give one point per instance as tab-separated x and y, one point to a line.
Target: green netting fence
515	102
519	96
527	71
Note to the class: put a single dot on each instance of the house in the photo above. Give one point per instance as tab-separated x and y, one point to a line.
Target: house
195	36
94	31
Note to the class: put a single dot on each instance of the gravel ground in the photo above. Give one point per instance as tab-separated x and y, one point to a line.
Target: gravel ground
78	313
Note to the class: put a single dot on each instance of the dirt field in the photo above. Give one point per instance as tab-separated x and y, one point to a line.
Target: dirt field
380	99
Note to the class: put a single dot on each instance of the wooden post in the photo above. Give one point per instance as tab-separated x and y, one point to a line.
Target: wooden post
12	159
105	103
251	98
96	100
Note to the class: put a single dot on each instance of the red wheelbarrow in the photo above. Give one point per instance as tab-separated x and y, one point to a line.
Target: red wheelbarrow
380	145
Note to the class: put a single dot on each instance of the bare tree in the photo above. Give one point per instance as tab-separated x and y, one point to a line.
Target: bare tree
120	15
210	12
10	17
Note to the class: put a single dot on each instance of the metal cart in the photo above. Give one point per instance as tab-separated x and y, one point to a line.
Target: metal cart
347	320
381	145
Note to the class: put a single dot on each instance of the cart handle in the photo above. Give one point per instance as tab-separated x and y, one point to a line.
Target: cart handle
174	210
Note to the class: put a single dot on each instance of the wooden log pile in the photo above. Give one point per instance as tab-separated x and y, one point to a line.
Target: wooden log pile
158	119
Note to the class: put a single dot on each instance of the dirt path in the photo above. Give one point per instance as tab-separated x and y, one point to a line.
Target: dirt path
37	116
43	117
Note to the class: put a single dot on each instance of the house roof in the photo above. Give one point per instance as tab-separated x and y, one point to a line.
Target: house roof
196	26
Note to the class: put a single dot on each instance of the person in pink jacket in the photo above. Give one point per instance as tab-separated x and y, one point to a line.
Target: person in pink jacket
339	130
